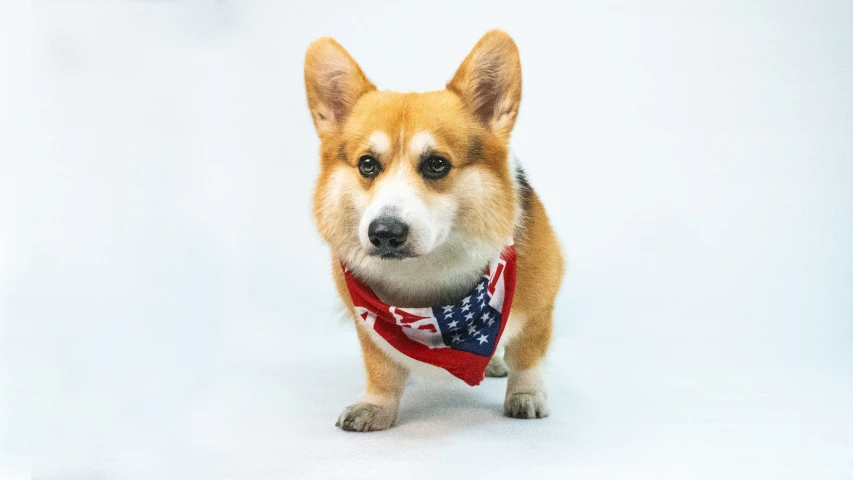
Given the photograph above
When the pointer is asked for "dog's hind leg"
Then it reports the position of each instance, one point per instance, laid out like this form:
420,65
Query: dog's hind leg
497,367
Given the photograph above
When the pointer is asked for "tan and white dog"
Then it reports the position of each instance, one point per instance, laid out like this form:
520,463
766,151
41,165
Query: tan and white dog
417,193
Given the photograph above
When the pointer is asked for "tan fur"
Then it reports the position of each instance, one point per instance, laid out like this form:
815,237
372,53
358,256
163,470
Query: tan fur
538,278
470,123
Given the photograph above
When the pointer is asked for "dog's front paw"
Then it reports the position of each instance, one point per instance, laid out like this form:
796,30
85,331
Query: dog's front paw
526,405
366,417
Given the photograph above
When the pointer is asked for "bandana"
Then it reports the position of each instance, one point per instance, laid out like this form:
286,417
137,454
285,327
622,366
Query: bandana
461,337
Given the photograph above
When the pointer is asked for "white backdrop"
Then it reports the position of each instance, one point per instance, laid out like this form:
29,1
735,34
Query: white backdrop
165,304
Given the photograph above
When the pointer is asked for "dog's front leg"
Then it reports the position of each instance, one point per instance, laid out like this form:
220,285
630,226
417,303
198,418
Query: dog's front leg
525,390
377,408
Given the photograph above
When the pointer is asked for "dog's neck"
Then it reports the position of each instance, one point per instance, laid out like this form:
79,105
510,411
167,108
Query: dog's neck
441,277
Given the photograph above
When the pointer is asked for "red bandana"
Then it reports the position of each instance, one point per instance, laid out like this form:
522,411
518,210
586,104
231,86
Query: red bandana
460,338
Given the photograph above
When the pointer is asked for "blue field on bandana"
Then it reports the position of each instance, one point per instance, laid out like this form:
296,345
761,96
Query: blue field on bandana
471,325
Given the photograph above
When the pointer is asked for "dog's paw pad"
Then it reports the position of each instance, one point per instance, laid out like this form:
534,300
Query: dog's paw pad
497,368
365,417
526,405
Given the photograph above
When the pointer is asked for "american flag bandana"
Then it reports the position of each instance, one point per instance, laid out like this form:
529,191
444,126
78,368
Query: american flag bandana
461,337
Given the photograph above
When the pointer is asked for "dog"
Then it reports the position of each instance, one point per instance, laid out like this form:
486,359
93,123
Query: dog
417,196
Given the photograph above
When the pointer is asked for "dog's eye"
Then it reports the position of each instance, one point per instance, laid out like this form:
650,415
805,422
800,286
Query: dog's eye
435,167
368,166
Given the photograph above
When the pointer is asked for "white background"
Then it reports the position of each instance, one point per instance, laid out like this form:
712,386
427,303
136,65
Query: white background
166,309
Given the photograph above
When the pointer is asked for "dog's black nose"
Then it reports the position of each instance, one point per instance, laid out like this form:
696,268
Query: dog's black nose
387,234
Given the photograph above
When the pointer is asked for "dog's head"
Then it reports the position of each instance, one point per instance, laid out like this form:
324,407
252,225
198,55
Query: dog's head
405,176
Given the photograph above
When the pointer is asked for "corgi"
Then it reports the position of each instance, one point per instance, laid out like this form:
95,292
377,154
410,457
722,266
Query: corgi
416,197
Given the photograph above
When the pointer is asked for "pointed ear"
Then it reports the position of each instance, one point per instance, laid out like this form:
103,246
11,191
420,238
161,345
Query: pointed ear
333,83
489,82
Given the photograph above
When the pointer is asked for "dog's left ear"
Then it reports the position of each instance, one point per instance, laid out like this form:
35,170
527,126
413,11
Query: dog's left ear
489,82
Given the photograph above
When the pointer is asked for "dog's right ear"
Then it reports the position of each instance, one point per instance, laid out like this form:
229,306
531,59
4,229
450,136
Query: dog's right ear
333,83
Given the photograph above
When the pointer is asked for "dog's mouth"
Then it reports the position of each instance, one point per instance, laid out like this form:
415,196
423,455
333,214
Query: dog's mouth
392,255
